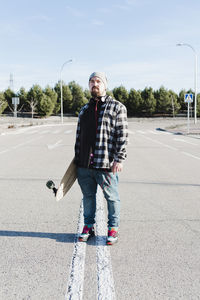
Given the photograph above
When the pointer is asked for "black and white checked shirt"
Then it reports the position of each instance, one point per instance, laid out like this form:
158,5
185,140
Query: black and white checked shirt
112,134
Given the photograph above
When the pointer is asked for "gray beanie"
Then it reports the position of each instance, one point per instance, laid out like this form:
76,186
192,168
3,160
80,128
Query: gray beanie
100,75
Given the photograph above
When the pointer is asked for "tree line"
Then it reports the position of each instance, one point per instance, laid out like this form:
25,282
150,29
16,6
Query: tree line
45,102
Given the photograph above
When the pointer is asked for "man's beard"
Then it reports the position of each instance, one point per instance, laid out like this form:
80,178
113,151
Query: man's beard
95,92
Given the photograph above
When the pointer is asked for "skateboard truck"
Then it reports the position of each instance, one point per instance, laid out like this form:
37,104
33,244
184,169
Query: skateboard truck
51,185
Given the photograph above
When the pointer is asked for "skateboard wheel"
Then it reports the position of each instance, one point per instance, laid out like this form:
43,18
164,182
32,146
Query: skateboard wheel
50,184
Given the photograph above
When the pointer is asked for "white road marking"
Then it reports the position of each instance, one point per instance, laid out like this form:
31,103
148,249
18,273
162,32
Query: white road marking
153,132
44,132
22,144
193,156
22,130
166,132
184,141
105,279
140,131
19,145
160,143
68,131
56,131
32,132
76,274
131,132
56,145
4,151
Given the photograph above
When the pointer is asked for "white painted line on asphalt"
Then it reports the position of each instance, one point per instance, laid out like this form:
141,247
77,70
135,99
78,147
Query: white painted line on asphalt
32,132
67,131
191,155
140,131
106,289
166,132
184,141
19,145
56,131
154,132
76,274
4,151
160,143
56,145
44,132
25,143
131,132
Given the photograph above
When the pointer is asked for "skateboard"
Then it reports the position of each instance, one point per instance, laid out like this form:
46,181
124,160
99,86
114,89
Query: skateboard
66,182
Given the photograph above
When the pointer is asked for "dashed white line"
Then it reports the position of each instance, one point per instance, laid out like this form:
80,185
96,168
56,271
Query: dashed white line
131,132
160,143
140,131
191,155
153,132
68,131
56,145
56,131
44,132
19,145
184,141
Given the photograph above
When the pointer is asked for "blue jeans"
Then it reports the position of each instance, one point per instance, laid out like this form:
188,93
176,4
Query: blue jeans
88,180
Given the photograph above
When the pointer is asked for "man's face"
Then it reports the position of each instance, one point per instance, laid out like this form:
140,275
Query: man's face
97,88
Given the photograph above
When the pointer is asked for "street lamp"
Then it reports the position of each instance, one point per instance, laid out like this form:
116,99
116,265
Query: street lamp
61,93
195,78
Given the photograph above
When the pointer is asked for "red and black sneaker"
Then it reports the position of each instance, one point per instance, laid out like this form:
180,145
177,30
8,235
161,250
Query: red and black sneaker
88,231
112,237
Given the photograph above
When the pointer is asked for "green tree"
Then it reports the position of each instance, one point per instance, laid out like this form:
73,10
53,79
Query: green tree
34,98
148,101
46,105
3,103
174,101
163,101
109,93
198,105
87,94
23,101
8,95
121,94
51,93
134,103
78,97
67,98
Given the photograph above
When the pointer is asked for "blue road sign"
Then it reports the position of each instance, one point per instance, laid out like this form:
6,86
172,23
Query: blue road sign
189,98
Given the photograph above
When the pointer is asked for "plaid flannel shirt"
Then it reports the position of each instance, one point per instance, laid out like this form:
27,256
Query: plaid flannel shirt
112,134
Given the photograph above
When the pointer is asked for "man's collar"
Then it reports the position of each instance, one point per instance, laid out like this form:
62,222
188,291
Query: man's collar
102,98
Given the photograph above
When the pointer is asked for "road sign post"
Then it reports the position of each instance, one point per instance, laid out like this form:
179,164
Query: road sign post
188,100
15,102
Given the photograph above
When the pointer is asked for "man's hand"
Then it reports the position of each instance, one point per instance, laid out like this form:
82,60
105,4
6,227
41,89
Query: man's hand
116,167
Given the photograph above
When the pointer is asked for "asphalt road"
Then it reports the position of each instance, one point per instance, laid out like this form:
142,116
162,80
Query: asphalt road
157,256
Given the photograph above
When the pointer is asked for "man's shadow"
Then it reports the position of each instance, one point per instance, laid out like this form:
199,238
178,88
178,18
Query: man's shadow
58,237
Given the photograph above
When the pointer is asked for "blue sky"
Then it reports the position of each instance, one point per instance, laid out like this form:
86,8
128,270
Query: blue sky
133,41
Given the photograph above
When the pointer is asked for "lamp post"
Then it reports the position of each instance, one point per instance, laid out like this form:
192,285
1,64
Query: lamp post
61,93
195,78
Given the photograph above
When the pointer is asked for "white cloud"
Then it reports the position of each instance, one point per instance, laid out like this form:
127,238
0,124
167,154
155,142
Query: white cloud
75,12
97,22
39,18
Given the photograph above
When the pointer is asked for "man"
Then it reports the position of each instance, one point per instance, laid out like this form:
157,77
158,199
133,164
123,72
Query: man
100,150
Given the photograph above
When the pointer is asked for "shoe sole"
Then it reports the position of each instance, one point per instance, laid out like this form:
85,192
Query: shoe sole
111,243
82,240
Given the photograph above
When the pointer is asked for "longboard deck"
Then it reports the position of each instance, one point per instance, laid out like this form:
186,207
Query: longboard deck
67,181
